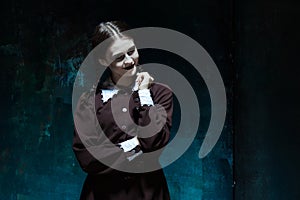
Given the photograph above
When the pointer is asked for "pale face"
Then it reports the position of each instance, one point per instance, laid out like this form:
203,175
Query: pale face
123,57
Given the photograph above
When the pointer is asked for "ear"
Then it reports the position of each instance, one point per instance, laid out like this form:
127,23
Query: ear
103,62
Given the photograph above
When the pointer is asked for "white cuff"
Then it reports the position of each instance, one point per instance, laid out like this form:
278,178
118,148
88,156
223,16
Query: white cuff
130,158
130,144
145,97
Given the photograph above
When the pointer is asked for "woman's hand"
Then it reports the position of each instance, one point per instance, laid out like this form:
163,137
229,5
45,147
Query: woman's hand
143,80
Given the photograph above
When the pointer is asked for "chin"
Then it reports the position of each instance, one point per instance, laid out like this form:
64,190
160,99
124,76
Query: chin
131,72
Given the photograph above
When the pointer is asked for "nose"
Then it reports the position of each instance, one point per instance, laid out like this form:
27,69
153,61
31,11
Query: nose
128,60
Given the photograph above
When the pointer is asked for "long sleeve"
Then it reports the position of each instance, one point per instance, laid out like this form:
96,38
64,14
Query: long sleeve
163,98
102,126
90,144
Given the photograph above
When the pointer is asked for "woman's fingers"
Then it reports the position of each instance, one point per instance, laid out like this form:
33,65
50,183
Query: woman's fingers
144,80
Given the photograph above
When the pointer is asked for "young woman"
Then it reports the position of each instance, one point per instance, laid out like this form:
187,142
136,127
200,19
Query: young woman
123,92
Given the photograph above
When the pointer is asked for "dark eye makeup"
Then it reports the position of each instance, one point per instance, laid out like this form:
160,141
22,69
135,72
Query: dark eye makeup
129,52
120,58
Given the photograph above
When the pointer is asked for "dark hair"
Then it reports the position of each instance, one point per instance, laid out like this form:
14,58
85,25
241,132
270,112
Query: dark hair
108,30
105,30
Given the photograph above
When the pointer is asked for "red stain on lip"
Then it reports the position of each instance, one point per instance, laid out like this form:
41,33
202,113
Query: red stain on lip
129,67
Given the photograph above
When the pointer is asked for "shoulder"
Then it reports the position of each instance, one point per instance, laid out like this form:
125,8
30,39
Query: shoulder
85,100
161,92
160,88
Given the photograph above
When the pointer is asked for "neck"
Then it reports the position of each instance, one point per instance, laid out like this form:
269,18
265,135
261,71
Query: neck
122,81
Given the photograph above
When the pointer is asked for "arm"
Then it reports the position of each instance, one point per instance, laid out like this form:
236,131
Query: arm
162,97
90,144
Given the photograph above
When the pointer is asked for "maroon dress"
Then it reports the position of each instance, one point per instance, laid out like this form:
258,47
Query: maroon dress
104,182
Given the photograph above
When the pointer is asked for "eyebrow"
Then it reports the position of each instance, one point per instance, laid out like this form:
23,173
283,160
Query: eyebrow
121,54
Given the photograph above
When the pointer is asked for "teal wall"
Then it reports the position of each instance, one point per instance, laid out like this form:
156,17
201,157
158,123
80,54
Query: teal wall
42,46
255,45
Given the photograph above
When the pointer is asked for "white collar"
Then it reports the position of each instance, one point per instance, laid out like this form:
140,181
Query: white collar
111,89
108,94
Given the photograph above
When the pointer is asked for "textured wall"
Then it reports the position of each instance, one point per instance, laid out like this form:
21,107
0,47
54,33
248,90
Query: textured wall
267,113
42,46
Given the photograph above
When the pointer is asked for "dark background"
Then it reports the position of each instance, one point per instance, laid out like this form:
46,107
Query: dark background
267,140
254,44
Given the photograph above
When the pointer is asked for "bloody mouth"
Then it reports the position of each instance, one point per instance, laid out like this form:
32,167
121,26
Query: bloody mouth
129,67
